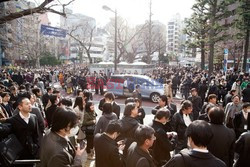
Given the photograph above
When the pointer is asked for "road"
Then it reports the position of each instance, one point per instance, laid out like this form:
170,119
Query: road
146,104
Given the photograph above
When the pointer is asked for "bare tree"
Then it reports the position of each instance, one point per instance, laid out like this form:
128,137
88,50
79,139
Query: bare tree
45,6
83,34
126,38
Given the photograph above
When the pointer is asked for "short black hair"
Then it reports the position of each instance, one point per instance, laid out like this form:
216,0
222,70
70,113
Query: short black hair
200,132
20,100
245,105
164,98
109,95
107,108
162,113
62,118
36,91
49,89
211,96
53,98
66,101
128,109
193,90
129,100
142,133
235,96
3,94
216,115
113,126
88,95
186,104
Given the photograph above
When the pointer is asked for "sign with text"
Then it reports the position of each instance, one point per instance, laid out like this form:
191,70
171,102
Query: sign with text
53,31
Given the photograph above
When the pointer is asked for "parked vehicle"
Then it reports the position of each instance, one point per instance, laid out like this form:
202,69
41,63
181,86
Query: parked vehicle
124,85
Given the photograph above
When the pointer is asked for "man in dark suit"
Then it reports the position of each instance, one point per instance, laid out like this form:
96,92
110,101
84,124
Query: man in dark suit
222,142
110,98
242,147
165,141
138,152
25,127
107,155
196,101
242,120
199,134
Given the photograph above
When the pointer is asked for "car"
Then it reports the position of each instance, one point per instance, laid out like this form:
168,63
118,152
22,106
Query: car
124,85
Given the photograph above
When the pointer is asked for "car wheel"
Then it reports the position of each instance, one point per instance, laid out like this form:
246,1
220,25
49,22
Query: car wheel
155,97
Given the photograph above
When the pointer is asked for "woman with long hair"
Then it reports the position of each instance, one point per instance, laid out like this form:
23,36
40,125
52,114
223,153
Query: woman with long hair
88,125
79,107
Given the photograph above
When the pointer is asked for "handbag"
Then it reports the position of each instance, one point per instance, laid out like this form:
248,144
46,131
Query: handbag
10,149
88,129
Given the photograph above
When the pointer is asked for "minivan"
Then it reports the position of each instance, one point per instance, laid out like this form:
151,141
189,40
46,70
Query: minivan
150,88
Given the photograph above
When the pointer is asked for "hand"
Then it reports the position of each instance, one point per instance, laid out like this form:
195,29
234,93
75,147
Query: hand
121,142
79,151
121,147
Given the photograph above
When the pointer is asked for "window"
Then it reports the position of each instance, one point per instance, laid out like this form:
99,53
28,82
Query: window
117,79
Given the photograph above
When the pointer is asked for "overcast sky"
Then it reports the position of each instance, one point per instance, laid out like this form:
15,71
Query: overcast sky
134,11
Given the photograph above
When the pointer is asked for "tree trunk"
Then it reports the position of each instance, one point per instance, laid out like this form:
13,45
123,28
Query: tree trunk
89,57
211,39
202,55
38,62
246,51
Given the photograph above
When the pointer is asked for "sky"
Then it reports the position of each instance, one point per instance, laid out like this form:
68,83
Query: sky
134,11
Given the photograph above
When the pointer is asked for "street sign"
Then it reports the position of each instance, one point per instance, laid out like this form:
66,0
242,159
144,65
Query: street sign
225,59
53,31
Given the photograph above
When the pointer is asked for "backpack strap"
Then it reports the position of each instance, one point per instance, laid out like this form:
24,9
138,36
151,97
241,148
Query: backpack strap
186,159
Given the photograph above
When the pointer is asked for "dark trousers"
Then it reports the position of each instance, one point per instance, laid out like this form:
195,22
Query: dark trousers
90,143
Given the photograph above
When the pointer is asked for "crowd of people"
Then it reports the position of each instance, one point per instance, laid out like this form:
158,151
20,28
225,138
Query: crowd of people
210,129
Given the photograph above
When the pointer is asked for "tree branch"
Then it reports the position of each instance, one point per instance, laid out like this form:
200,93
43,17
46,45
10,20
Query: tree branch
40,9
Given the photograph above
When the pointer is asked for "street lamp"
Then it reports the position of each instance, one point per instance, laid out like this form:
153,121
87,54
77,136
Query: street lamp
115,12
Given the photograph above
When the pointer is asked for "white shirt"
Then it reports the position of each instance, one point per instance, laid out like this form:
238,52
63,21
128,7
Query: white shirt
245,114
187,119
26,119
200,150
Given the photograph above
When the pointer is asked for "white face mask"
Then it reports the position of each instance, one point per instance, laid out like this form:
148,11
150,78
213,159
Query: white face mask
73,131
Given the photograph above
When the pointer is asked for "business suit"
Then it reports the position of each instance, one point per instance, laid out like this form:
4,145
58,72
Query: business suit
162,145
242,147
179,126
56,151
110,157
138,158
241,124
195,159
221,145
27,134
115,107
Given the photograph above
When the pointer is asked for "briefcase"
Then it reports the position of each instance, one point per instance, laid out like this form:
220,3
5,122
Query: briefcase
10,149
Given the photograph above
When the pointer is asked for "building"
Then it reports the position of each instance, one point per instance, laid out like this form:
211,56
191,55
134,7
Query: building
157,40
84,29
